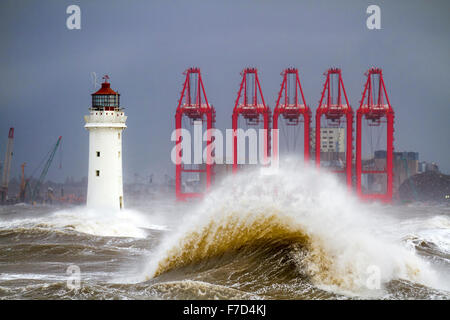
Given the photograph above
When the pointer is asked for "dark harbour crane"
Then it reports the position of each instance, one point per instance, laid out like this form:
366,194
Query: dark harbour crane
23,183
7,167
36,189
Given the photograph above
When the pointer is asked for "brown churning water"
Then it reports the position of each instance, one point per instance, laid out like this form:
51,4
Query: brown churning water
291,235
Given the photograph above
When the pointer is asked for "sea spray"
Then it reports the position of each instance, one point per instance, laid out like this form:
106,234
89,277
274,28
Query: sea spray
299,206
105,223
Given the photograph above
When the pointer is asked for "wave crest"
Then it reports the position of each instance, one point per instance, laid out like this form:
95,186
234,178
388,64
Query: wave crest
301,209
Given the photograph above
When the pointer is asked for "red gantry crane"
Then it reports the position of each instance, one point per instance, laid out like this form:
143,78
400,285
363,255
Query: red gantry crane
376,109
194,106
336,111
292,111
253,112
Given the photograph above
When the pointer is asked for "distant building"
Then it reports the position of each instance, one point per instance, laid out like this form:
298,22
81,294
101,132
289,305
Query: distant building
332,143
427,167
406,164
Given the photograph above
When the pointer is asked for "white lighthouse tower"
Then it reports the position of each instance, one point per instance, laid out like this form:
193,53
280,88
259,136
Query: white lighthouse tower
105,123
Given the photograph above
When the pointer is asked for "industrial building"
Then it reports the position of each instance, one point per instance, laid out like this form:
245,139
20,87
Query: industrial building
406,165
332,143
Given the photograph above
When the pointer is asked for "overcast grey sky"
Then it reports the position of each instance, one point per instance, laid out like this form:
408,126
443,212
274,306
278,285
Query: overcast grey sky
145,46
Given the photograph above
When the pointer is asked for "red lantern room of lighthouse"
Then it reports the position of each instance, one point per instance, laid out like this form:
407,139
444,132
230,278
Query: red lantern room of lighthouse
106,99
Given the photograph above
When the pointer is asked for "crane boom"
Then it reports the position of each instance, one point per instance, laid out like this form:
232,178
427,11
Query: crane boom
37,187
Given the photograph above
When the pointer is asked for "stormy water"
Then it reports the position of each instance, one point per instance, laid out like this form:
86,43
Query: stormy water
290,234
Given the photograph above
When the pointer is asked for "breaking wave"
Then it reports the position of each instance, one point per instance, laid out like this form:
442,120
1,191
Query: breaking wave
285,227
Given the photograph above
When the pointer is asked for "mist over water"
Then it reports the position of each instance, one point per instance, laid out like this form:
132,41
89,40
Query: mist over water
291,234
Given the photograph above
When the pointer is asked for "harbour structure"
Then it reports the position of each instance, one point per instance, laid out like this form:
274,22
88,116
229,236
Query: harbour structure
376,110
194,108
330,143
336,109
251,107
292,108
105,123
7,166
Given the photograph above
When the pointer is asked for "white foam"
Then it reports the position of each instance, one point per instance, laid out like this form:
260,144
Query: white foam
437,231
348,230
120,223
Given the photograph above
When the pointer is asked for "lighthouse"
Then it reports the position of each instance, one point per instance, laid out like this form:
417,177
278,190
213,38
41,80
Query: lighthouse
105,123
